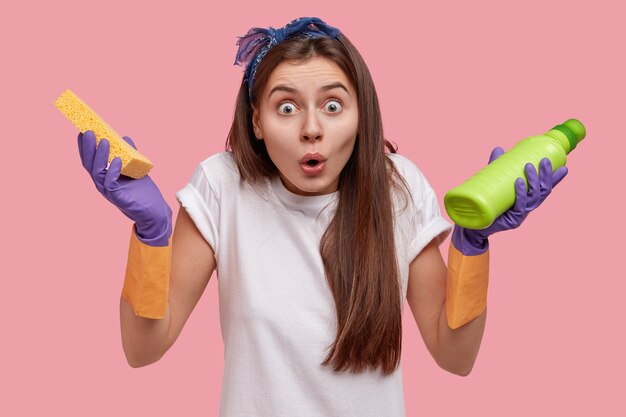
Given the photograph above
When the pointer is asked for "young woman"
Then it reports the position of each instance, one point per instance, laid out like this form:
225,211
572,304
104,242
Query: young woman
318,236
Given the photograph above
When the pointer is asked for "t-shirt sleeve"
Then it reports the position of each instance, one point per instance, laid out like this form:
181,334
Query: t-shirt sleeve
200,200
425,221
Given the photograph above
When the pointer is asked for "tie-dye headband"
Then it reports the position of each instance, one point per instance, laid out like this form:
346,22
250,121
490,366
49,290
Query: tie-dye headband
258,41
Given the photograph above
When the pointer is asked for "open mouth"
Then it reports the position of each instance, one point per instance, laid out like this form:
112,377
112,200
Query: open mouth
313,163
312,167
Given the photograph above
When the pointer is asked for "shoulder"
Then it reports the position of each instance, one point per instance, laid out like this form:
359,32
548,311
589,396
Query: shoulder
215,173
399,160
222,163
413,176
218,169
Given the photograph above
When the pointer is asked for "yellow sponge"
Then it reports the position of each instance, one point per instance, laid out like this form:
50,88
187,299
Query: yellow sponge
134,164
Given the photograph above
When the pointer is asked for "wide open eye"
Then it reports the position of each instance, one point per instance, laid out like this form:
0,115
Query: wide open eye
333,106
286,108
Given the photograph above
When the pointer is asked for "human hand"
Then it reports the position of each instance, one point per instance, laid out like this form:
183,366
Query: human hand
139,199
474,242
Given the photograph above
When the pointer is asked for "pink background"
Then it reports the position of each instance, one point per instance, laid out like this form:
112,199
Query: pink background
453,81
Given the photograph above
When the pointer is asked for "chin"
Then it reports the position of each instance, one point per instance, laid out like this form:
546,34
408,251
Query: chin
306,185
311,188
319,190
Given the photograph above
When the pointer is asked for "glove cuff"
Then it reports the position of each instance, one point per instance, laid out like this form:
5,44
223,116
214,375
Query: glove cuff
466,286
161,230
146,284
469,242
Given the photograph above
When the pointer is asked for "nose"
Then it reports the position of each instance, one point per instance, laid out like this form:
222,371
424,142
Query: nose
312,129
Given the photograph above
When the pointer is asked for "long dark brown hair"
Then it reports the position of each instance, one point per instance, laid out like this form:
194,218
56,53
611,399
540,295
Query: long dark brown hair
358,247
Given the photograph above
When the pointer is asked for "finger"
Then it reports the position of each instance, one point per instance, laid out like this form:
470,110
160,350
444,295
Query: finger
545,179
534,187
545,176
89,150
113,174
521,198
513,217
495,154
80,147
100,163
558,176
130,141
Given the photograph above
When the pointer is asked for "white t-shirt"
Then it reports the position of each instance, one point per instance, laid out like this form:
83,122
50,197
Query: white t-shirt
277,312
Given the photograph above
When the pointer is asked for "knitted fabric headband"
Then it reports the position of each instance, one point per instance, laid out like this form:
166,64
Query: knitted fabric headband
254,45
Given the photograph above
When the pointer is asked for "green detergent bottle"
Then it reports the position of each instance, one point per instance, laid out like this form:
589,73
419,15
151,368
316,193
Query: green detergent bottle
477,202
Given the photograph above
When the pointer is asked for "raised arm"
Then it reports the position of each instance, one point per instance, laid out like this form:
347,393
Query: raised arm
146,340
454,350
165,275
449,303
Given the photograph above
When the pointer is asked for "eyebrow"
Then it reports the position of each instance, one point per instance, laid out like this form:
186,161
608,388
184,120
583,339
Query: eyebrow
324,88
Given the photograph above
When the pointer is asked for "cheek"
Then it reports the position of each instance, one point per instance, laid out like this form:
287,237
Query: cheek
347,131
348,147
276,130
277,142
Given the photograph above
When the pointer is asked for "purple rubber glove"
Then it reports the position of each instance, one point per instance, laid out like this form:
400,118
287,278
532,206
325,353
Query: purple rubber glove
472,242
139,199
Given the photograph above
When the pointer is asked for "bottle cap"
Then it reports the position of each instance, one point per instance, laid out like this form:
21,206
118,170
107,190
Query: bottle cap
573,130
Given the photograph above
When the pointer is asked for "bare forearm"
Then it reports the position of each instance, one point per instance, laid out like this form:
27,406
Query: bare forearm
458,348
143,339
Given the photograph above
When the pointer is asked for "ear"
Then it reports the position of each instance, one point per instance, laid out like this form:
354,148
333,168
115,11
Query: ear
256,123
